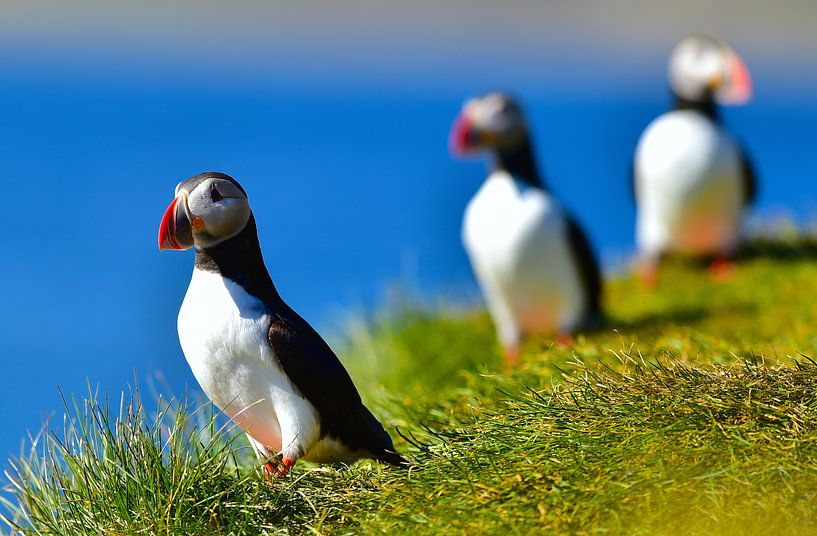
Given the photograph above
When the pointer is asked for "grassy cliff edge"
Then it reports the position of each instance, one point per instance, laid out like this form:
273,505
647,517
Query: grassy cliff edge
693,411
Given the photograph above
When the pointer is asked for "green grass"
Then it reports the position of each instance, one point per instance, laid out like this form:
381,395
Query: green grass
694,411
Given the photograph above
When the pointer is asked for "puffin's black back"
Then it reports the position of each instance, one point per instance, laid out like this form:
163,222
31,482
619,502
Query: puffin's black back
315,370
519,161
589,272
708,108
306,359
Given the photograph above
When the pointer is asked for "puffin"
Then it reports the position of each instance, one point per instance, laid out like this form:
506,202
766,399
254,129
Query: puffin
693,181
256,359
532,260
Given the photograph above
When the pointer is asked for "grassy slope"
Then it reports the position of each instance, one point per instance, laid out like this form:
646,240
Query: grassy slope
695,410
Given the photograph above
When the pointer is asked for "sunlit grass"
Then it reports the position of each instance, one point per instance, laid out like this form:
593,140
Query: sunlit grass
109,468
694,411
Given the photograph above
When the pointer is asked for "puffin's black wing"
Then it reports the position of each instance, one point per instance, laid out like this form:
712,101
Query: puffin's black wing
318,374
588,270
747,170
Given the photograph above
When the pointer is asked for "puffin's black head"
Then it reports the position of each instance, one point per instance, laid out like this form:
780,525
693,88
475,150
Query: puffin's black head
208,209
703,68
493,121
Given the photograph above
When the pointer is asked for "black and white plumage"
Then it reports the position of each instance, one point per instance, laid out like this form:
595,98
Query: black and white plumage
255,357
692,179
532,260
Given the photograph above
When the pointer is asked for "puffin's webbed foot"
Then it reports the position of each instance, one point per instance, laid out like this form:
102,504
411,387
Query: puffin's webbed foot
277,466
510,356
722,268
564,339
648,274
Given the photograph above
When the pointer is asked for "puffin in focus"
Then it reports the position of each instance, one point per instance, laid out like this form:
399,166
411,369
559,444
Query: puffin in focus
532,260
256,358
692,180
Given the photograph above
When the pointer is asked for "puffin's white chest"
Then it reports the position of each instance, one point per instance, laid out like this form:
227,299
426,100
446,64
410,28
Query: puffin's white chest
688,185
516,238
223,334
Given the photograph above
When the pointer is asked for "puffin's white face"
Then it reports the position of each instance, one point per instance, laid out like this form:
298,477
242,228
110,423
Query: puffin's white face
702,67
208,209
491,121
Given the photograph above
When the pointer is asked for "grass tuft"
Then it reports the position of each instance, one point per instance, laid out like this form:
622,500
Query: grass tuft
120,471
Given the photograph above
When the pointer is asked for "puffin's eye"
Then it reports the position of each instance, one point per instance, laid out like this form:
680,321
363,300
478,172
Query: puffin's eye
215,195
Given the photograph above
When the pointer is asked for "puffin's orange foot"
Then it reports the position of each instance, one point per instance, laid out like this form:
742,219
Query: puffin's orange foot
277,467
270,469
510,356
564,339
648,274
285,466
722,269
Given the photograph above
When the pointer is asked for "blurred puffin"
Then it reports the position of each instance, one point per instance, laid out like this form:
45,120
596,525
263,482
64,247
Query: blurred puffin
532,260
256,358
692,180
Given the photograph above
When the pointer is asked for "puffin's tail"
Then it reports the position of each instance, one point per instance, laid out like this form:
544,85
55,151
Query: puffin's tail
377,441
392,457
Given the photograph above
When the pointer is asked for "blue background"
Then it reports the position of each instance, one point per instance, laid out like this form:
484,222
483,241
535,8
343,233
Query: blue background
348,173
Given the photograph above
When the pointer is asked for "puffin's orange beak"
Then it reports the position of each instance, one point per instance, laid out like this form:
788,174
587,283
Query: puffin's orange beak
175,231
460,139
738,87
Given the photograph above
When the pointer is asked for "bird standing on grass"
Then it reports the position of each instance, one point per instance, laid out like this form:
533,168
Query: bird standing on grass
256,358
532,260
692,180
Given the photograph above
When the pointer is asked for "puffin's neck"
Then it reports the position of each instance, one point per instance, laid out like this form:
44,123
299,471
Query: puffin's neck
239,259
706,106
520,163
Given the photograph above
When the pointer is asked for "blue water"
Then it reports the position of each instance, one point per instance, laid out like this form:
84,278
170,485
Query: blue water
353,191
